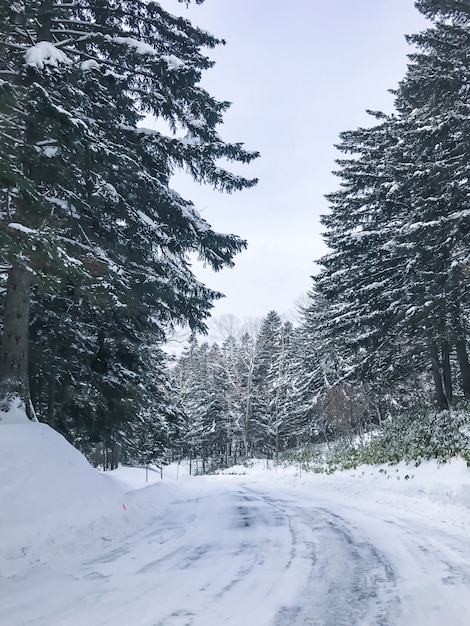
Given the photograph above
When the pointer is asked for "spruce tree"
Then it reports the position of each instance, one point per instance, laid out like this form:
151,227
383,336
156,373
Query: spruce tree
263,404
85,189
396,281
199,379
360,289
433,105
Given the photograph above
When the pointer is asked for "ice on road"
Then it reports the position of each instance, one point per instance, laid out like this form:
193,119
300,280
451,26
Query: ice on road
229,549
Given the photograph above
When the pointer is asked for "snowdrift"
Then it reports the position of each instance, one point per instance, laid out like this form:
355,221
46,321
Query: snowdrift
49,493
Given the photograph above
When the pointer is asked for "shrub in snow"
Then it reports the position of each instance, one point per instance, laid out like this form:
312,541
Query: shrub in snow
414,436
419,435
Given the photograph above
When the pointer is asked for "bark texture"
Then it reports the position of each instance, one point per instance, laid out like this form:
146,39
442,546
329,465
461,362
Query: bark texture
14,347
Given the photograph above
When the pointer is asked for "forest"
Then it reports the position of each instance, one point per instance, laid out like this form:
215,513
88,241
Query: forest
96,253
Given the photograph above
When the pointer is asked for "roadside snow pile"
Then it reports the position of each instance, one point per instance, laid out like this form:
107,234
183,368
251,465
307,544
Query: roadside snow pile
53,503
436,490
49,493
15,415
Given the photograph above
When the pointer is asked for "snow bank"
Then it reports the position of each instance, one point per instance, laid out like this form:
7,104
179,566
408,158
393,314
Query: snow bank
48,493
54,503
437,491
16,413
41,472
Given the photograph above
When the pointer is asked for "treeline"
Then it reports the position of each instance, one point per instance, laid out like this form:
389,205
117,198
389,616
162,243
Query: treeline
386,327
257,393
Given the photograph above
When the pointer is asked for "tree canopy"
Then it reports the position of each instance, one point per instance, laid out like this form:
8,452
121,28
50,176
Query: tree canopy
88,214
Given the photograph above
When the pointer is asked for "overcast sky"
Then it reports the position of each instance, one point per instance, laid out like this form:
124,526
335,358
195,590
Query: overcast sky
298,72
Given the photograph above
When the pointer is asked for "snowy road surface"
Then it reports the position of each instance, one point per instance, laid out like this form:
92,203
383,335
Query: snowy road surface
245,552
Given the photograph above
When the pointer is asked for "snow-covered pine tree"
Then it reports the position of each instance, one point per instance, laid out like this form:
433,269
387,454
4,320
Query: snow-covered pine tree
246,367
237,361
230,379
84,188
397,280
298,419
361,282
320,366
157,424
97,376
458,10
282,391
190,376
268,350
434,111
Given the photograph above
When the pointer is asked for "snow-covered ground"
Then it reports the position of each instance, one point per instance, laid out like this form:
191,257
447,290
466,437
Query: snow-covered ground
251,547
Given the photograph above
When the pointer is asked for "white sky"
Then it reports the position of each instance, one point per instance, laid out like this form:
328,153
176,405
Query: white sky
297,73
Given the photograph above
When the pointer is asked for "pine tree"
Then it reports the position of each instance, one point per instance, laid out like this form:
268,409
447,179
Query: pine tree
97,376
268,350
459,10
151,438
237,365
282,387
396,281
199,379
432,101
84,188
361,283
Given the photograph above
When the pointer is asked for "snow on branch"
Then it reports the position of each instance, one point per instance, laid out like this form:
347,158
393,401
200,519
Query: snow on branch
45,53
172,61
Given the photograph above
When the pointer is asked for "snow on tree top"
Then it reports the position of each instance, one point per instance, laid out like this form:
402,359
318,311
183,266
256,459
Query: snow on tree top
194,217
45,53
147,220
173,62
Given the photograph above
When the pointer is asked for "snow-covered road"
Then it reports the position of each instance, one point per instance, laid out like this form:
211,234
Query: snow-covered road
248,552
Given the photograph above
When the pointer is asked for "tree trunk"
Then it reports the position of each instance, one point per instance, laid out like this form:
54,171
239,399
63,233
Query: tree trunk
441,398
460,342
447,371
464,366
44,20
14,382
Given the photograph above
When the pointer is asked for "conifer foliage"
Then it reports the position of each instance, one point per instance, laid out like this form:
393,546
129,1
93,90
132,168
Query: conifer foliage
241,399
396,284
87,210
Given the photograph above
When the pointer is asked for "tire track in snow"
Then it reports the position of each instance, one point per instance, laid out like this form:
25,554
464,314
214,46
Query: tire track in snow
350,581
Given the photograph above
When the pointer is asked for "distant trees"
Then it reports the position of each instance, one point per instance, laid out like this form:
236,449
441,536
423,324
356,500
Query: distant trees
90,231
201,390
240,399
386,323
265,391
